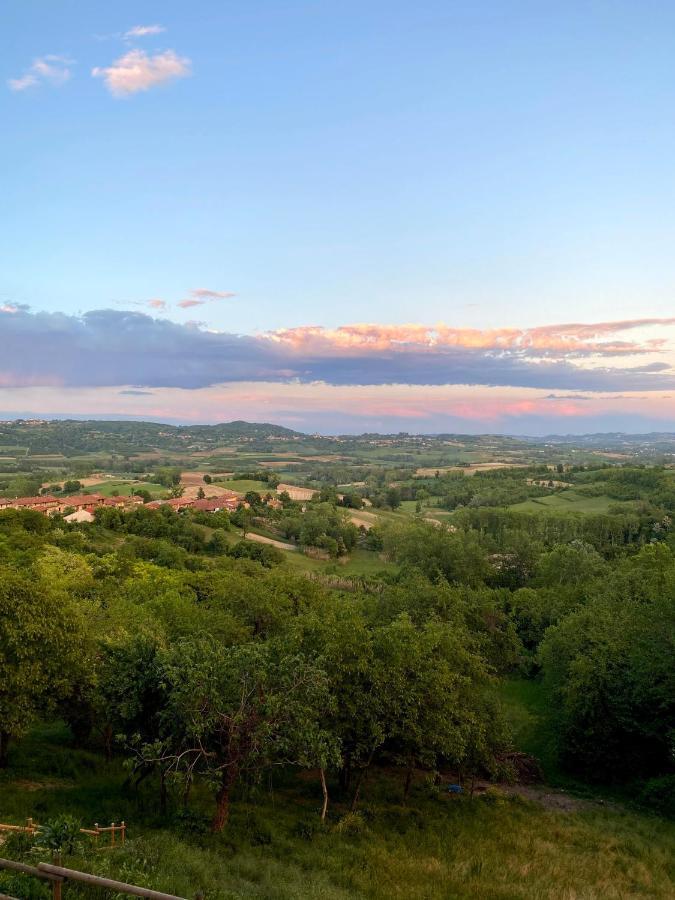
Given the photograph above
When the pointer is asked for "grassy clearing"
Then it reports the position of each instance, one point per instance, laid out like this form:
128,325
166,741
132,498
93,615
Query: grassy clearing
242,485
570,501
360,562
409,507
125,488
494,848
525,705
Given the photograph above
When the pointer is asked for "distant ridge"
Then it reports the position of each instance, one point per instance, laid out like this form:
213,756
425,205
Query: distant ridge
604,436
74,436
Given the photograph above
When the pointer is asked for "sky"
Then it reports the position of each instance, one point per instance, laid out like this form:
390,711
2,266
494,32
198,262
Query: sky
340,216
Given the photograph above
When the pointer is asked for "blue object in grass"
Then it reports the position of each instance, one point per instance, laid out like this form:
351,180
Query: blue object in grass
455,789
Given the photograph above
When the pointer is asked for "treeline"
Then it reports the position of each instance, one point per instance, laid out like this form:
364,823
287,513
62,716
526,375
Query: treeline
594,619
200,664
220,674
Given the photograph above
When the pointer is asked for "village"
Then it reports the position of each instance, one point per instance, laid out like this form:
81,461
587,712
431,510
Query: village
82,507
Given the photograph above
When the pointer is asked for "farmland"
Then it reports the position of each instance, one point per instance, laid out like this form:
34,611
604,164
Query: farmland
399,628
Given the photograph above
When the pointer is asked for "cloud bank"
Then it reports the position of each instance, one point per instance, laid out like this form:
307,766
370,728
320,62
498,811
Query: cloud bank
115,348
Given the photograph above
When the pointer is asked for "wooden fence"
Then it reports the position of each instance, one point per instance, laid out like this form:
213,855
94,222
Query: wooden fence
117,832
58,875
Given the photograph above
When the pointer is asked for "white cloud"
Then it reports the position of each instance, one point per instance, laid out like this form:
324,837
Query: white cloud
143,31
20,84
136,71
50,69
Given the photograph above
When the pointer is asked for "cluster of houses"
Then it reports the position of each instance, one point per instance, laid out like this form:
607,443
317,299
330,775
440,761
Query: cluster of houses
81,508
228,502
51,506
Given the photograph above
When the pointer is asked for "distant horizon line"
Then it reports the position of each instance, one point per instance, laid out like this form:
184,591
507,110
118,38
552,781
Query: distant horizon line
120,419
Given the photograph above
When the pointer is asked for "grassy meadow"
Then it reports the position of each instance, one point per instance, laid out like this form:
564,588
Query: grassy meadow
436,846
566,501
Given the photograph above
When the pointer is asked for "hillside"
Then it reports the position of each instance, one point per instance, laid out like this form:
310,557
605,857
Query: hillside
73,437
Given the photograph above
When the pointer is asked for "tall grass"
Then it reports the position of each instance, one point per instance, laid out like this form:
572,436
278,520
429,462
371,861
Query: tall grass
436,847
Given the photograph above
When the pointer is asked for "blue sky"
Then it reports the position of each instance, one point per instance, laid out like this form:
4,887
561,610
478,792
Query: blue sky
486,165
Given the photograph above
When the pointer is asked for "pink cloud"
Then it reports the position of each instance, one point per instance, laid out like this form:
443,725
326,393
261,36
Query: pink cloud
206,294
188,304
137,71
157,303
200,296
363,407
550,340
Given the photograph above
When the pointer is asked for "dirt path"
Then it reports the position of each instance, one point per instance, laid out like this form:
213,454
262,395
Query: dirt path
261,539
552,798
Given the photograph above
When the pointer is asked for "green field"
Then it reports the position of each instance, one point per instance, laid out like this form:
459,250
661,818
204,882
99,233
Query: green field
125,488
570,501
241,486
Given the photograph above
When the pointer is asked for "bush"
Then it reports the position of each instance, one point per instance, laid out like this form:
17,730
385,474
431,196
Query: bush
61,835
191,822
659,794
351,823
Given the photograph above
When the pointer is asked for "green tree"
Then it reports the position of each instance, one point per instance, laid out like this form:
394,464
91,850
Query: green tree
239,710
609,670
393,498
43,651
168,476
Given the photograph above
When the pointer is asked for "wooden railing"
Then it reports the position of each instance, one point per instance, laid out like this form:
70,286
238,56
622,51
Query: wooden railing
117,832
57,875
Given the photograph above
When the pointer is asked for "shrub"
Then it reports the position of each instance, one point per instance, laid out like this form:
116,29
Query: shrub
659,793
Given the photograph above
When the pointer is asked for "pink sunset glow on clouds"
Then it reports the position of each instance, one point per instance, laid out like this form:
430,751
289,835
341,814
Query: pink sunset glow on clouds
549,340
202,296
353,408
356,377
188,304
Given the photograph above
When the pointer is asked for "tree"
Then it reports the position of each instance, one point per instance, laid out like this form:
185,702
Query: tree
393,496
237,710
456,555
253,499
572,565
609,671
207,479
168,476
201,494
430,687
43,651
243,519
217,543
